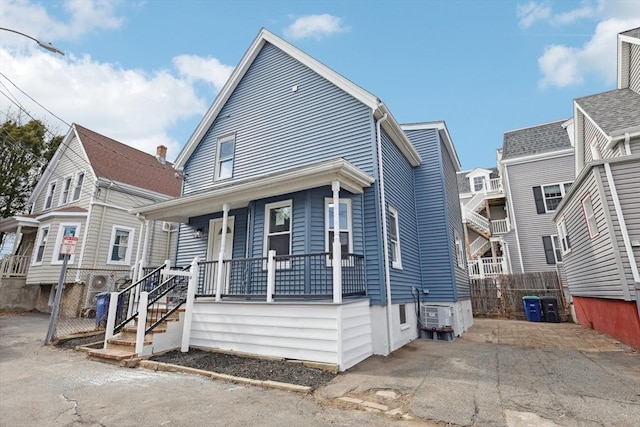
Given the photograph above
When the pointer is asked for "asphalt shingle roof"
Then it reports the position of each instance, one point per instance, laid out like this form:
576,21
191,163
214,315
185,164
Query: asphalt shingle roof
613,111
118,162
463,181
539,139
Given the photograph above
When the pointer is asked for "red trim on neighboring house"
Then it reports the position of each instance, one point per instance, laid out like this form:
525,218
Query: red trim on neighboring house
613,317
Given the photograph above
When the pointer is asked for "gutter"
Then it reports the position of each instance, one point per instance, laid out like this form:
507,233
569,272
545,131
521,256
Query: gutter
385,240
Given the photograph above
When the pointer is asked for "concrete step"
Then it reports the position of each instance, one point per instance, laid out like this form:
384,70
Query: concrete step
110,355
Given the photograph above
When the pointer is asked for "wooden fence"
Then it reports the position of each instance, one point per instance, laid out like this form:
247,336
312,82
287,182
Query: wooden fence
502,296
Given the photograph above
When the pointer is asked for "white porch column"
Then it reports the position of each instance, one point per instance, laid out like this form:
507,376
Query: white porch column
271,275
223,244
337,248
188,310
111,317
141,322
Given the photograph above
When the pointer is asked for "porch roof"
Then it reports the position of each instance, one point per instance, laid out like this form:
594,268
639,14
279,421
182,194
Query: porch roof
239,193
11,224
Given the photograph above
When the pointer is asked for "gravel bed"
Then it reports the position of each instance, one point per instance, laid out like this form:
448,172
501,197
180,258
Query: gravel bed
247,367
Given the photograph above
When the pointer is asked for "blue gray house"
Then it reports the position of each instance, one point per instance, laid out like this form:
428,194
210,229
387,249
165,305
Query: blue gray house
293,168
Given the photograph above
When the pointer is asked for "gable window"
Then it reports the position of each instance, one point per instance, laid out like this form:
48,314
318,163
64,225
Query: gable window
65,230
66,188
548,197
394,238
563,236
41,245
552,250
277,233
78,188
346,234
120,245
478,183
590,216
224,160
459,249
49,200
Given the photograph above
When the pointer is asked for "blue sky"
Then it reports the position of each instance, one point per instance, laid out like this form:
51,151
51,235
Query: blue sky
144,72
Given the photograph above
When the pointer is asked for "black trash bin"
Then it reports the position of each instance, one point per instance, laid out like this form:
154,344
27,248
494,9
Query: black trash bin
550,309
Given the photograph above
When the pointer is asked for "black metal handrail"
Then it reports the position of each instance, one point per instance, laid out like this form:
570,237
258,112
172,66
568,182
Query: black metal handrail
173,293
129,297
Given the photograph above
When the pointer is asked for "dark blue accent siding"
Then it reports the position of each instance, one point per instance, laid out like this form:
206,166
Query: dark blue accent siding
434,233
399,194
277,128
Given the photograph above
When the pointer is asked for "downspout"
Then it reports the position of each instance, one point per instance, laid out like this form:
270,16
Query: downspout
627,146
513,220
385,242
100,230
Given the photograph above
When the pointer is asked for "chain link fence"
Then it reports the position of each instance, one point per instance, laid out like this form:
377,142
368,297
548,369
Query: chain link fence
79,314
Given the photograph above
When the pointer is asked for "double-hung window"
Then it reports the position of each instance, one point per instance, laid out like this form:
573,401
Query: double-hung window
41,246
552,249
65,230
460,252
563,236
277,235
225,155
78,188
478,183
548,197
66,189
121,244
345,230
590,216
50,191
394,238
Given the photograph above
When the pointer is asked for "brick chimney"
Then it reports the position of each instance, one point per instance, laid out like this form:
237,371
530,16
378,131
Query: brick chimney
161,153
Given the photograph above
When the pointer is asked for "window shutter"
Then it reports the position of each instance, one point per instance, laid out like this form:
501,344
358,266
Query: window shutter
548,249
537,195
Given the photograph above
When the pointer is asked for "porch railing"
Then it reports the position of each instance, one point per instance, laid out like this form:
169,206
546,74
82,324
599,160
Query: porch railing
499,226
166,299
14,266
486,267
296,276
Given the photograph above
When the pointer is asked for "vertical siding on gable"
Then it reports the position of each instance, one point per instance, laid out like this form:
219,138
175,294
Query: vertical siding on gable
399,193
433,230
277,128
634,68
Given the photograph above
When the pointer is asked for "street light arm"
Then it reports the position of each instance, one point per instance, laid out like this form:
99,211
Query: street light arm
48,46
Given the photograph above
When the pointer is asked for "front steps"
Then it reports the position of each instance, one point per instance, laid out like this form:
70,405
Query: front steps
120,349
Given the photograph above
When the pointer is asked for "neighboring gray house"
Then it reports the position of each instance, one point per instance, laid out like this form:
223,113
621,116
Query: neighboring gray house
537,170
599,219
292,168
85,192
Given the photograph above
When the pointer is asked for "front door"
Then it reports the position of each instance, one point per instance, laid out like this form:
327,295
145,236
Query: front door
213,251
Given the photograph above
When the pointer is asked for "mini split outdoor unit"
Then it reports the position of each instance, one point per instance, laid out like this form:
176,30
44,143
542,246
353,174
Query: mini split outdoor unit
435,317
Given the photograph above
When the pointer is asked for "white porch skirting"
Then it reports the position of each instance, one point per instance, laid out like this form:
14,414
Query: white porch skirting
339,334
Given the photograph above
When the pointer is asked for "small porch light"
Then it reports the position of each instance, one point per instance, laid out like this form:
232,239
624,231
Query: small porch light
197,234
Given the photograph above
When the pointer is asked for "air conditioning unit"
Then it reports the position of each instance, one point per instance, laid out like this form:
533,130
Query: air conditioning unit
97,283
435,317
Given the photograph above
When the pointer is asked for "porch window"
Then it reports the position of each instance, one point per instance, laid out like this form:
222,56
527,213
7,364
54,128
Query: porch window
478,183
65,230
224,160
78,188
41,246
590,216
49,200
66,189
346,234
394,237
121,244
563,236
278,228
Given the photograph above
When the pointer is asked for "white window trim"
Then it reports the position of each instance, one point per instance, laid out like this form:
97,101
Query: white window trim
50,193
328,246
127,258
589,218
562,236
75,186
472,179
460,251
267,218
562,193
219,160
66,179
554,238
403,326
56,248
393,214
38,242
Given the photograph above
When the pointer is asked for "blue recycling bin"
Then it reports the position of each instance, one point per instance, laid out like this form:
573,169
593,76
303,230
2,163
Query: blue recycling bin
102,308
532,308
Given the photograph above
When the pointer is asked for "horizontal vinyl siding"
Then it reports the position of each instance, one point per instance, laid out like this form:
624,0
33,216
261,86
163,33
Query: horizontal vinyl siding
356,333
434,234
591,266
531,225
277,128
374,261
399,193
454,217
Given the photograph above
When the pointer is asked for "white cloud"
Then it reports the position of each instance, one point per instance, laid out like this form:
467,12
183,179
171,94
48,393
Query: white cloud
206,69
316,26
531,12
563,66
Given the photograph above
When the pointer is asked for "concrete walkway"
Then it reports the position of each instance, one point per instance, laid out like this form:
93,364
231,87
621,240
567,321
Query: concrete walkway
503,373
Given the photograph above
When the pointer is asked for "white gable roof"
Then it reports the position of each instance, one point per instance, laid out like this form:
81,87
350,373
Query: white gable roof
264,36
